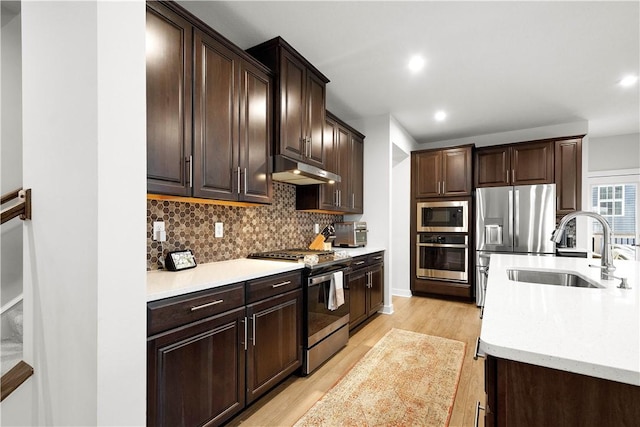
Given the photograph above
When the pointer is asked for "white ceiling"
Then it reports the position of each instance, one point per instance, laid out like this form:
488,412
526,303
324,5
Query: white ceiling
492,66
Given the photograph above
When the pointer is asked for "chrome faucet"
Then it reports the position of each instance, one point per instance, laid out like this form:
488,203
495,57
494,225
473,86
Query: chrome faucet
606,263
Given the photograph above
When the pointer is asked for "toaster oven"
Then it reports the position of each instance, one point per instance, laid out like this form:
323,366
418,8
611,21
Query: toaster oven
351,234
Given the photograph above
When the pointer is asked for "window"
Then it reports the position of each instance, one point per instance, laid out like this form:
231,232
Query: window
609,200
615,198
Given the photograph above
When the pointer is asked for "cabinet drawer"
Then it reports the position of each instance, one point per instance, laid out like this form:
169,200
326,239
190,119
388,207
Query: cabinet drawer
374,258
172,312
273,285
359,262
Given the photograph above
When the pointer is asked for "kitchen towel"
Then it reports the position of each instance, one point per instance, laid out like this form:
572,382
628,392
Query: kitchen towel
336,291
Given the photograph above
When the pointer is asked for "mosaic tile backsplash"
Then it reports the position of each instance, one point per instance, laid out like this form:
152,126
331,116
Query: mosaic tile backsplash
246,229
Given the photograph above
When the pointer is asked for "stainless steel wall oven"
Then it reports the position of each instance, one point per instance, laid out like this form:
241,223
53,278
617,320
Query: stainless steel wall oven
442,256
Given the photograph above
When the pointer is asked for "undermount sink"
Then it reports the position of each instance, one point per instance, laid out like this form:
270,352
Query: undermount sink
558,278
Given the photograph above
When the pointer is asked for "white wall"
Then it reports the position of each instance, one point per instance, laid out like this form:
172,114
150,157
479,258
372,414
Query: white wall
11,155
377,191
402,144
387,174
614,152
84,151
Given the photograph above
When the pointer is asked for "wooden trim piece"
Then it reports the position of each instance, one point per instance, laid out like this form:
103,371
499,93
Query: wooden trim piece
16,376
10,196
22,208
182,199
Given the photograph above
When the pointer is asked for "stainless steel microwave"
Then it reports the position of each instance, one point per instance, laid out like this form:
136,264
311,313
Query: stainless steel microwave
443,216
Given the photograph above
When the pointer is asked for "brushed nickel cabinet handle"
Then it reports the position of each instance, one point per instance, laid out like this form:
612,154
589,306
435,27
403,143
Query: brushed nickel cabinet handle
476,353
238,172
245,181
190,161
281,284
358,263
253,330
478,409
209,304
245,321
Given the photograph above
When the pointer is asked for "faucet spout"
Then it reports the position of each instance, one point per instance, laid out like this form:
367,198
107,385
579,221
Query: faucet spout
606,263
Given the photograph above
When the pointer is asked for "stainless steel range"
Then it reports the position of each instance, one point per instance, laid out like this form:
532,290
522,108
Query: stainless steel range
325,330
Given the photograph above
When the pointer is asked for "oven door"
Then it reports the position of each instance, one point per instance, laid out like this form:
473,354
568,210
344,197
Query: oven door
450,216
442,261
321,321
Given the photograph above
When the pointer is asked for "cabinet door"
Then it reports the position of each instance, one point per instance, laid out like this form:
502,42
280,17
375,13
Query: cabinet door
215,120
345,160
357,297
255,134
196,374
428,174
375,299
456,172
292,107
493,167
315,120
275,341
532,163
568,175
356,203
168,63
332,154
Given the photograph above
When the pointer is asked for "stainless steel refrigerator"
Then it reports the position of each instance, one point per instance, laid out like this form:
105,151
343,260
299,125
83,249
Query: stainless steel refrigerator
518,219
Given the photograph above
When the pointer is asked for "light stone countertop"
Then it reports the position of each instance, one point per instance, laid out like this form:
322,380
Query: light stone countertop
165,284
354,252
593,332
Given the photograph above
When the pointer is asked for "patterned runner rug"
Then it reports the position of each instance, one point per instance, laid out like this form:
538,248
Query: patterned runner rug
406,379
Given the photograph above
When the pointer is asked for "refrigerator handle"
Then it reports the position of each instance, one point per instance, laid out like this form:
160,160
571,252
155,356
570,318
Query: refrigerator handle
510,214
516,220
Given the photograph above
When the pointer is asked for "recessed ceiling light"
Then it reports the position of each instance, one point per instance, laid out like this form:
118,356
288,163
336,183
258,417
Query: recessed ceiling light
416,63
440,116
629,80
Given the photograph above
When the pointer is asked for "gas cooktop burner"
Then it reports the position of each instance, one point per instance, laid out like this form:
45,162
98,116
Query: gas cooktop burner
294,255
312,259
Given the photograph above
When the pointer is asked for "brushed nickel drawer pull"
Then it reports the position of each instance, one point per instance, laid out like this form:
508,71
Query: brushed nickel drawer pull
377,257
359,263
209,304
277,285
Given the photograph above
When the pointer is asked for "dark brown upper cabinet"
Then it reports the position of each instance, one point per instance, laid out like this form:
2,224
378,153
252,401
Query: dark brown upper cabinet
300,94
442,173
169,114
344,150
524,163
568,175
223,148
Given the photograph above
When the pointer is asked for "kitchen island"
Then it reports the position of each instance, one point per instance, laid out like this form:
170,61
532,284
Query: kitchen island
557,354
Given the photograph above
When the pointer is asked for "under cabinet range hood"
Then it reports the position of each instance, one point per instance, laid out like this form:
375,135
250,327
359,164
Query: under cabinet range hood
298,173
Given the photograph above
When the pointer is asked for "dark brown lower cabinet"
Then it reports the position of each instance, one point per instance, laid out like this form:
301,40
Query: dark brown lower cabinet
524,395
196,373
366,288
211,353
274,349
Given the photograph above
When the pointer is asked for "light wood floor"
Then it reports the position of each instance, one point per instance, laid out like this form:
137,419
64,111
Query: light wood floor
285,404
